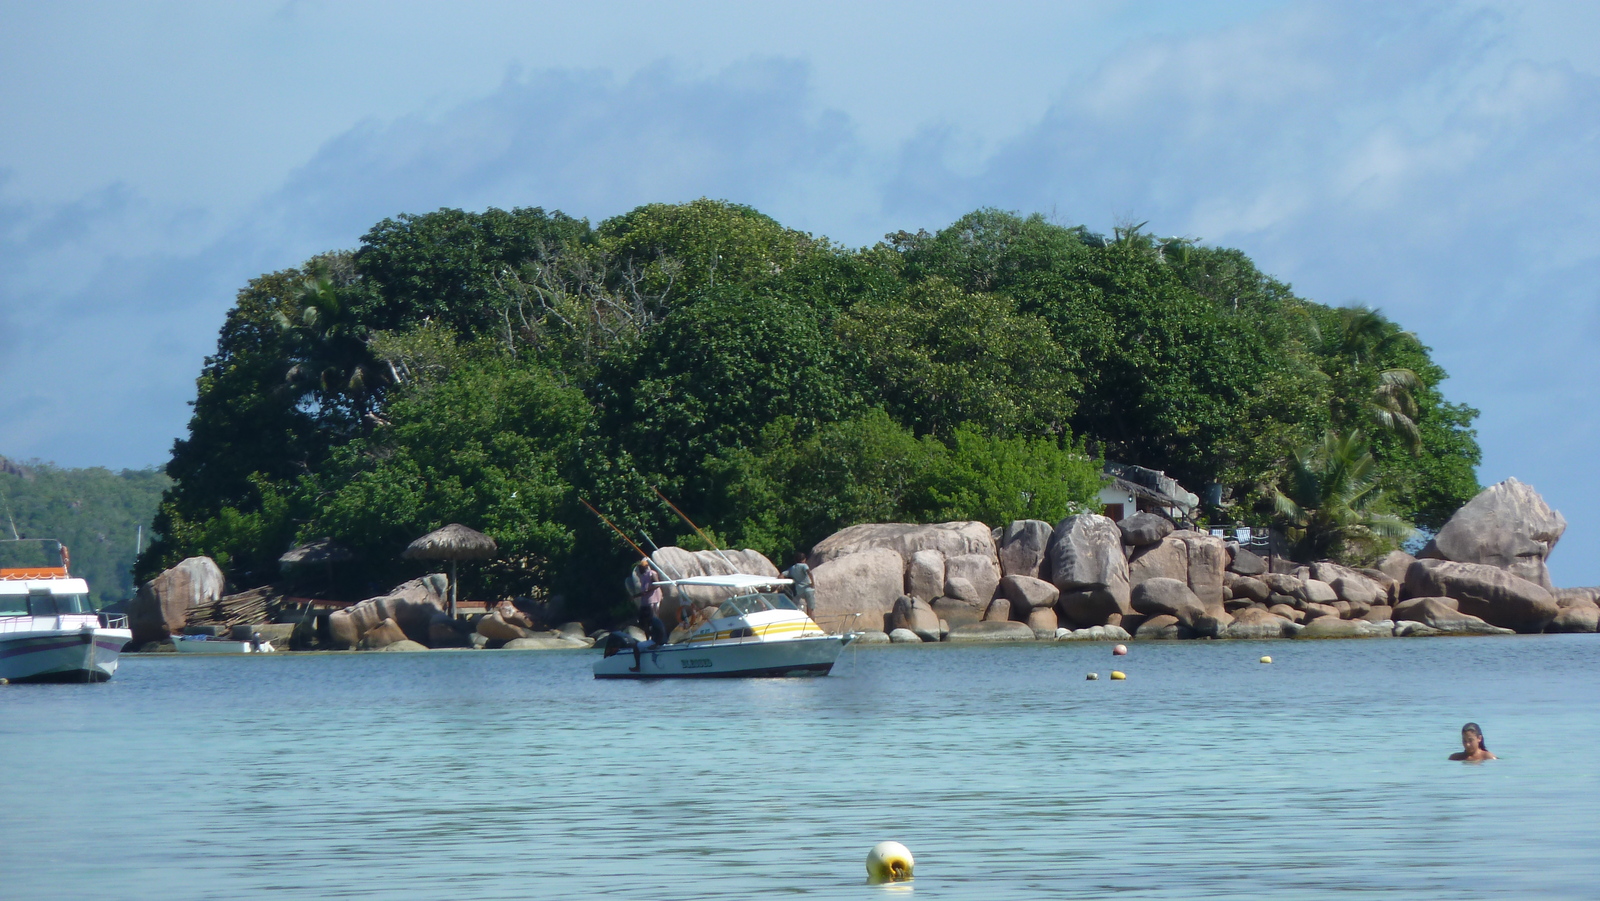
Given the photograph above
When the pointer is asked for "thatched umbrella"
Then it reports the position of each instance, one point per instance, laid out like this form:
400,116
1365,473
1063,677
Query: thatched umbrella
453,542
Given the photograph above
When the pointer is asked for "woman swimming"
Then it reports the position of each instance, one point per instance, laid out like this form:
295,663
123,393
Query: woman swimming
1472,747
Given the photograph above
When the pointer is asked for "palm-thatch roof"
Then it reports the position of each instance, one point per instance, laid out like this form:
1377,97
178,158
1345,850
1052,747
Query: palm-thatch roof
453,542
323,550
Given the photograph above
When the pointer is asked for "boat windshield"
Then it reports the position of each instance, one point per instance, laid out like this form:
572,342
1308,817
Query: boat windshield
43,604
754,603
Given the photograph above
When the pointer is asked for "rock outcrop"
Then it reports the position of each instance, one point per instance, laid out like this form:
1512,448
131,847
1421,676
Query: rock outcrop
161,608
1026,593
1507,526
914,615
1022,547
1087,565
992,631
952,539
1142,529
412,605
865,583
1444,615
1494,595
925,575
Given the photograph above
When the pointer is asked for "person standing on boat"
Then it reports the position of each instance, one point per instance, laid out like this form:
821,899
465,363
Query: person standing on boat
803,592
649,610
649,592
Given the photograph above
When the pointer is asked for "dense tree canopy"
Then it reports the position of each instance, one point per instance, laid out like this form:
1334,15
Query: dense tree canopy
496,368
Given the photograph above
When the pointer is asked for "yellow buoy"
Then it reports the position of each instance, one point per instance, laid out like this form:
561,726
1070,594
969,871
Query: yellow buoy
1092,677
1266,660
889,862
1118,675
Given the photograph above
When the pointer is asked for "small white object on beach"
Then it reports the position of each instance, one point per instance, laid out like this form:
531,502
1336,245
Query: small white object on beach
889,862
1092,677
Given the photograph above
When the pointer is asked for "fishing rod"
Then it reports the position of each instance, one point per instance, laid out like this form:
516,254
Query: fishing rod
703,536
621,534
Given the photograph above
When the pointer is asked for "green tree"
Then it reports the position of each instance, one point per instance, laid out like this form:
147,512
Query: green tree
1330,501
491,445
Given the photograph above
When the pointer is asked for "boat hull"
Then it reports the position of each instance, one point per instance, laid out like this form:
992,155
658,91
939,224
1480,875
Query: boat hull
221,647
751,659
88,655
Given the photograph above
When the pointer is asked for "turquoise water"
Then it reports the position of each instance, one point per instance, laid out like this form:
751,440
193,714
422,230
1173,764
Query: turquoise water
488,775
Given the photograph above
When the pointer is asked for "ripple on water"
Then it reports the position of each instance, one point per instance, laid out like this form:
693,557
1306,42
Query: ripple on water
503,775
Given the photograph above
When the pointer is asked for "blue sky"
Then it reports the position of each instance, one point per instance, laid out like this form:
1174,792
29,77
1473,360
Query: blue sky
1439,161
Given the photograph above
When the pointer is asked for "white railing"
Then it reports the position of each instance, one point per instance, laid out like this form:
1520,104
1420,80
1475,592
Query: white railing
67,622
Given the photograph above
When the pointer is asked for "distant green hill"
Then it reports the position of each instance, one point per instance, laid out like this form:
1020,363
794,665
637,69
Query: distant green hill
95,512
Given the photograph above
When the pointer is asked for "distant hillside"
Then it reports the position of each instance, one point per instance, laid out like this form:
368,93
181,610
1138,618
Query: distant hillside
95,512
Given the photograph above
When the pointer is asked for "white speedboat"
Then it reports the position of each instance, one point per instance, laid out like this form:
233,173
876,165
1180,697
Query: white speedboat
49,631
757,632
208,644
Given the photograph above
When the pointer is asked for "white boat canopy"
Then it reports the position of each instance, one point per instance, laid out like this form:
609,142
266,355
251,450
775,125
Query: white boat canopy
736,582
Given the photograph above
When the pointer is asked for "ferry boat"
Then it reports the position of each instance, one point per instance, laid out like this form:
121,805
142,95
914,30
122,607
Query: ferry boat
757,632
49,630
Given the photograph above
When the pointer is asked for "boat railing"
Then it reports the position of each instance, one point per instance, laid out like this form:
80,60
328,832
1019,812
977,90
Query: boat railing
27,622
113,621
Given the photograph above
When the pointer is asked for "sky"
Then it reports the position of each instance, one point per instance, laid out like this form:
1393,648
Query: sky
1438,161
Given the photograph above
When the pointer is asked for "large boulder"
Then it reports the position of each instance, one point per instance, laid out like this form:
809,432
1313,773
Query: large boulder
1208,622
386,633
494,628
1207,559
957,587
992,631
1086,551
1349,584
162,606
1319,592
1162,627
1333,627
1577,597
677,563
1576,618
1166,559
915,615
1284,584
857,589
1244,561
925,575
1043,622
1492,594
412,605
1026,593
999,611
1092,606
949,538
1443,615
1249,588
1022,547
1507,526
1395,564
1165,597
958,612
1142,529
981,570
1257,623
1086,563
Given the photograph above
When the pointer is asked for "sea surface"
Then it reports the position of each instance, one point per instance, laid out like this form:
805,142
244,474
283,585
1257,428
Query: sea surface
515,775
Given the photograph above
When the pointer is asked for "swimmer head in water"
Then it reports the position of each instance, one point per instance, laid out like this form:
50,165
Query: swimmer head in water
1472,746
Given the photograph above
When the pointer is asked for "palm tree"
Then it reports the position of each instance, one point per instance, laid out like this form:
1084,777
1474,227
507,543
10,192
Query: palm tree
1365,336
1326,498
329,346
